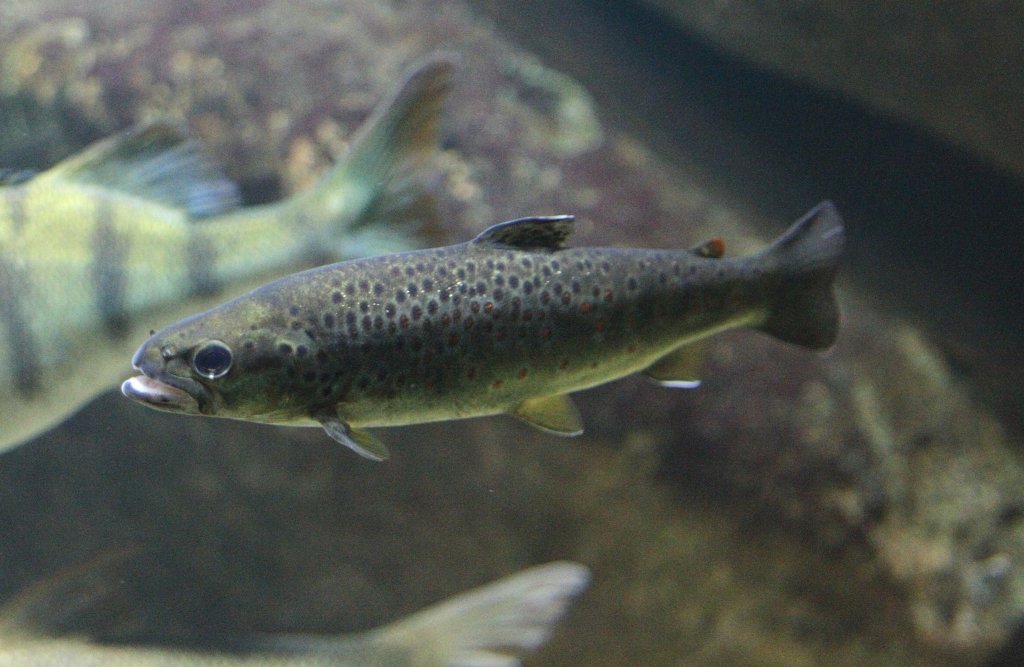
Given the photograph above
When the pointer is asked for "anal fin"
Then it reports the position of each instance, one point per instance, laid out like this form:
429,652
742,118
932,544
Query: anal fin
679,368
555,414
361,442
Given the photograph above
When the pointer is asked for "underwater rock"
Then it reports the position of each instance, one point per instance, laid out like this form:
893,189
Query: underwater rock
952,67
853,508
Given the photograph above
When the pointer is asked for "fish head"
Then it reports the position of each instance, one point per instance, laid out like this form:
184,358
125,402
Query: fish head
238,361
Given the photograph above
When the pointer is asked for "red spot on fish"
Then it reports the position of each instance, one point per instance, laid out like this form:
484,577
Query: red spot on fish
566,297
403,321
453,339
522,373
497,384
563,364
599,325
475,307
488,307
608,295
631,348
585,307
545,333
499,334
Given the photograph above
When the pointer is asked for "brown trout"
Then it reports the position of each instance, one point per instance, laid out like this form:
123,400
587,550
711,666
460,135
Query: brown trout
489,626
137,231
510,322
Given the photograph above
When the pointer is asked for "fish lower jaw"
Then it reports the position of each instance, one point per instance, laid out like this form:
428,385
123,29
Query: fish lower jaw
159,395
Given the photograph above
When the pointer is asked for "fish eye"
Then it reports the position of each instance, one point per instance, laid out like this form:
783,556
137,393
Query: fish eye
212,360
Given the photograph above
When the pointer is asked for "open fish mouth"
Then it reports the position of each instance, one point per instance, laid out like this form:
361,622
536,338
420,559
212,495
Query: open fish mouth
160,395
164,391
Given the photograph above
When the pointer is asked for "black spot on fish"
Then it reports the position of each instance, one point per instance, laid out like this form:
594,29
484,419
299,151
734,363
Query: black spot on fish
432,306
293,310
284,348
350,289
412,288
513,282
400,296
364,307
364,286
428,284
527,288
378,289
390,309
329,320
336,297
631,283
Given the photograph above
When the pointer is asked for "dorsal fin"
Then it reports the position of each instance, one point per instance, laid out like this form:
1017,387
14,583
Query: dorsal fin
154,162
535,233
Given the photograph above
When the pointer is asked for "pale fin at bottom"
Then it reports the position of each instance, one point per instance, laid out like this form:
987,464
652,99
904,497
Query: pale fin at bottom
361,442
489,626
555,414
679,368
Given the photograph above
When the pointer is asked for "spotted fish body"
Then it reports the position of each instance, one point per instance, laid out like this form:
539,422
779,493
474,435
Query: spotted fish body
140,230
510,322
488,626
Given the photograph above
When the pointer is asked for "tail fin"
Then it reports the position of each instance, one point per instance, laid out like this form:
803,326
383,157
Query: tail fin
376,179
802,309
488,626
485,627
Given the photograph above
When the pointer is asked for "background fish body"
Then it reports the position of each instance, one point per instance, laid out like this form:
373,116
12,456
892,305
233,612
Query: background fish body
508,323
139,230
487,626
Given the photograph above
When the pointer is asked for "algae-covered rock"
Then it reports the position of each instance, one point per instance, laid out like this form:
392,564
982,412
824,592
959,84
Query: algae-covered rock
856,507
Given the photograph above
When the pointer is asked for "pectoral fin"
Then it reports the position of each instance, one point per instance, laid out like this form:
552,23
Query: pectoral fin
679,368
361,442
556,414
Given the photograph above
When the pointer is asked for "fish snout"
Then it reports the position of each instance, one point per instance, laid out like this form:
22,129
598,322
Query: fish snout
162,389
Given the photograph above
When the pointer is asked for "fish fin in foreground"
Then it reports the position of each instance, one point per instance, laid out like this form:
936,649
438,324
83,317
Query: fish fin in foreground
680,367
554,414
154,162
485,627
361,442
378,176
802,307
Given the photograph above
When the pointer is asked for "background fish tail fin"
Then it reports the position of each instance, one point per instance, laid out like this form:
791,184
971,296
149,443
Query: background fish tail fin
802,309
488,626
56,604
380,180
